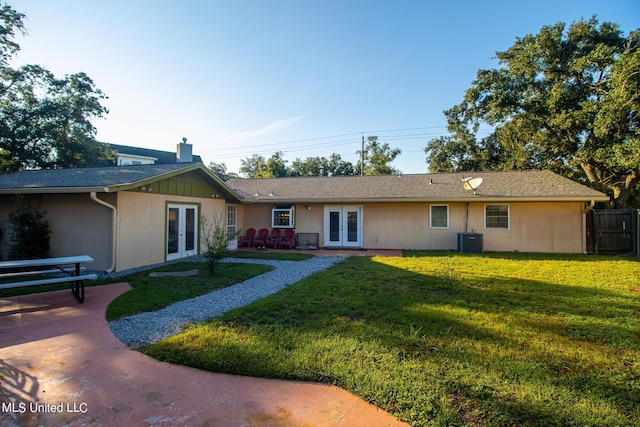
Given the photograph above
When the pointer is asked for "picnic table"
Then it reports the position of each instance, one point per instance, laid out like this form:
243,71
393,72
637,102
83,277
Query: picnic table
70,267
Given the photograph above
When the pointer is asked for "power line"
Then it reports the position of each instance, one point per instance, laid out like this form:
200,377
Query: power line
353,138
284,142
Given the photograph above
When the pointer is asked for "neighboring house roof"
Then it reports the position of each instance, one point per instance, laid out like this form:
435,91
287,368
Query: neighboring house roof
163,157
102,179
441,187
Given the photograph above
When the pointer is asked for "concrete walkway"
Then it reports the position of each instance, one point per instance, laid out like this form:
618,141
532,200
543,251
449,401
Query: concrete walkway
61,365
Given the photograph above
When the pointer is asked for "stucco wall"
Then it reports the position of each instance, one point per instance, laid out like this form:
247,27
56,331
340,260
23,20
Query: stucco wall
534,227
79,226
142,225
308,218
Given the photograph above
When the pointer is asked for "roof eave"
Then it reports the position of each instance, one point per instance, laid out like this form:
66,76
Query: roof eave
53,190
478,198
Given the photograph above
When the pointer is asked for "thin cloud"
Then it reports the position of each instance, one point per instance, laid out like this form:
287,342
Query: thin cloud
271,128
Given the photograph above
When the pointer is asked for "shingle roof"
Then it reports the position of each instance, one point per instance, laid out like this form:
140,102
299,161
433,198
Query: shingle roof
87,179
164,157
516,185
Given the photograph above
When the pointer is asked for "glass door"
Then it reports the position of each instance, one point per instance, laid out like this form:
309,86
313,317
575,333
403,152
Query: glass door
343,226
173,223
182,231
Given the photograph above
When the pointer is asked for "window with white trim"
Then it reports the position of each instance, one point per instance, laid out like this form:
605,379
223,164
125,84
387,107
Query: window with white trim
496,216
283,216
439,216
232,221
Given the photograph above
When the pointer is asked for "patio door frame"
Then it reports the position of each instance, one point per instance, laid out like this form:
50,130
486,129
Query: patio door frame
343,226
182,230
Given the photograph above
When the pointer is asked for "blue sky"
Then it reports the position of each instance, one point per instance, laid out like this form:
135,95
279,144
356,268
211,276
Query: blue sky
307,78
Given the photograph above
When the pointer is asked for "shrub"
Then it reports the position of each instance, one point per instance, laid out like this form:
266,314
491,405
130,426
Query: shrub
216,239
30,233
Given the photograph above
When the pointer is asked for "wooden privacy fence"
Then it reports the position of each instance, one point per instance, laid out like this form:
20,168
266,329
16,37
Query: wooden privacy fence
613,231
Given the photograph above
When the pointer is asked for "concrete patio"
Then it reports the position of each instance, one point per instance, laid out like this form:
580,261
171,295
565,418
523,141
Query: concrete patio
61,365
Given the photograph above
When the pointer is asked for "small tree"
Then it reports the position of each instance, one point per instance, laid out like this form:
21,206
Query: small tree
29,230
377,157
216,239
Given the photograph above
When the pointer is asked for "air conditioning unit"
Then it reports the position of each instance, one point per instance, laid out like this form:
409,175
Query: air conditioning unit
470,243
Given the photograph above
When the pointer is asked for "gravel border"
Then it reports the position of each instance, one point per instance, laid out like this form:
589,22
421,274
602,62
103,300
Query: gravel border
150,327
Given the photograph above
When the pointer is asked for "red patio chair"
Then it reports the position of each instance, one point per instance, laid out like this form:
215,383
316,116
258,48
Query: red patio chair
273,240
288,239
247,239
260,241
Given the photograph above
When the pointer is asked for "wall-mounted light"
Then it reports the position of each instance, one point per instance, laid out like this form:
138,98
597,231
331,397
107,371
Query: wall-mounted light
146,188
308,207
214,195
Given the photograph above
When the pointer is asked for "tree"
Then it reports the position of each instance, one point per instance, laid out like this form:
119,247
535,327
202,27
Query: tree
311,166
563,100
276,166
338,167
253,167
220,169
45,122
377,157
321,166
257,167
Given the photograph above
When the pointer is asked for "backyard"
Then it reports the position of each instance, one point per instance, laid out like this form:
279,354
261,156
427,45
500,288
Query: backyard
437,338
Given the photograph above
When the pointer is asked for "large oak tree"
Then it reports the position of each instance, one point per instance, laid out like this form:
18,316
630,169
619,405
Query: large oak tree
45,122
565,99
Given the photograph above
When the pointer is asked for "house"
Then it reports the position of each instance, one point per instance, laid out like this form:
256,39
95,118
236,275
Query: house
136,215
528,211
126,155
124,216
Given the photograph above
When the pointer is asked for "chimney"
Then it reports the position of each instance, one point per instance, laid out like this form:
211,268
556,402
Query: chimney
184,152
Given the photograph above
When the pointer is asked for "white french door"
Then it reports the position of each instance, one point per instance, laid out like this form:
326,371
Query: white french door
343,226
182,231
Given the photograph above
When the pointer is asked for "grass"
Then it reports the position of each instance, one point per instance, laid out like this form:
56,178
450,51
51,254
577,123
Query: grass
153,293
243,255
441,339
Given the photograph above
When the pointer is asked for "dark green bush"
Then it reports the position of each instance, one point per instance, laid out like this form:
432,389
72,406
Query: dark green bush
29,230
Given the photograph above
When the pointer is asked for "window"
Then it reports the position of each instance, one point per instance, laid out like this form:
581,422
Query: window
439,216
496,216
232,221
282,216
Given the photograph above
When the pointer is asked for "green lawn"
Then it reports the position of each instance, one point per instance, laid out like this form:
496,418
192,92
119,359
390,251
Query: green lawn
153,293
150,294
447,339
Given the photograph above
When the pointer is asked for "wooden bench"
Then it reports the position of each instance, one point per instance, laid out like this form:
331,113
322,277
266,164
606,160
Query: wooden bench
48,266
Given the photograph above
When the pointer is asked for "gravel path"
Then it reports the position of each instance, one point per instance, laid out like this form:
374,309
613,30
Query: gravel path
150,327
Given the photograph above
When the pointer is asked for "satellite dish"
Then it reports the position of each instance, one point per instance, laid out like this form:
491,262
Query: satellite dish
472,184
